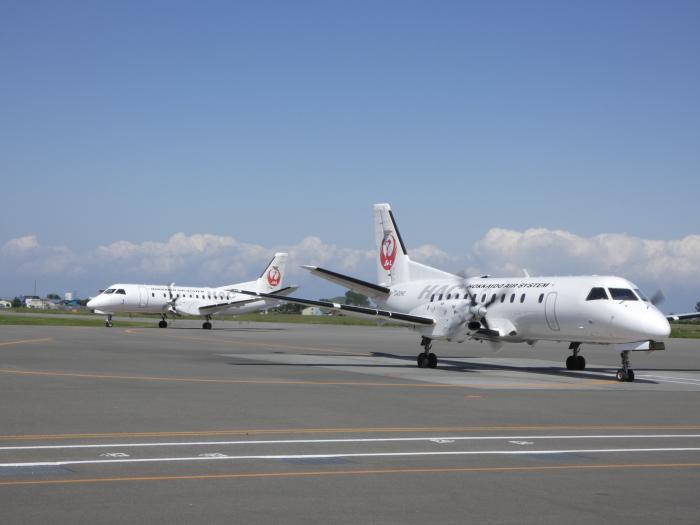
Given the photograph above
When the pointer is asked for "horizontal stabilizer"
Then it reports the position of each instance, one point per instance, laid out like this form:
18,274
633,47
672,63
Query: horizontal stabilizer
358,311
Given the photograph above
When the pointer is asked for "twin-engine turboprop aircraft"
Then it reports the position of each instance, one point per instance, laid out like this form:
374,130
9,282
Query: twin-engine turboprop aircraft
439,305
193,300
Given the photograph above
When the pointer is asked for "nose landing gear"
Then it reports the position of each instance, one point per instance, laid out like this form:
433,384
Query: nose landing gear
625,373
575,361
426,359
108,321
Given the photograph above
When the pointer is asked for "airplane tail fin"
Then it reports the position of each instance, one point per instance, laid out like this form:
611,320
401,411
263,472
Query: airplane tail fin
392,258
271,278
394,266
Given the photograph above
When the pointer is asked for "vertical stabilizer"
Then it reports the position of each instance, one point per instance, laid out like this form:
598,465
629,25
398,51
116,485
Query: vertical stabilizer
392,258
271,279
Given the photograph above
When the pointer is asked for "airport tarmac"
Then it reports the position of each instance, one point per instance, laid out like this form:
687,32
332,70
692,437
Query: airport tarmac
284,423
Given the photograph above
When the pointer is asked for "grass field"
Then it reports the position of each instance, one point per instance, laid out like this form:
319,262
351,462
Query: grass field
689,330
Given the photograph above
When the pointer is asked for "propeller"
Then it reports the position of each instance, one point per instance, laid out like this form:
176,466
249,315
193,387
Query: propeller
657,298
173,299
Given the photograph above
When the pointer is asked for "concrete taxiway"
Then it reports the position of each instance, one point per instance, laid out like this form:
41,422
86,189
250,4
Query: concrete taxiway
263,423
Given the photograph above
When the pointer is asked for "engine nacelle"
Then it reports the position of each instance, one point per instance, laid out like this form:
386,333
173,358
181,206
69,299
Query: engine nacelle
474,325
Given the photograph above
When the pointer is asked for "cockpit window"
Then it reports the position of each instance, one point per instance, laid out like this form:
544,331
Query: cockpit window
121,291
641,295
622,294
596,294
109,290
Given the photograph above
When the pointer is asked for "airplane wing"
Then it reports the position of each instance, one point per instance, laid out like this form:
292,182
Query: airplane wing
680,317
214,308
357,311
363,287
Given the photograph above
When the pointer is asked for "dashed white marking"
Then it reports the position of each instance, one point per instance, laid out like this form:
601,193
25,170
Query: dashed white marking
345,440
355,455
522,442
671,379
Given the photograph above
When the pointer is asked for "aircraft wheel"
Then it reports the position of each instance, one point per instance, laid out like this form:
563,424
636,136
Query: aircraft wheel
422,361
108,324
621,376
630,375
162,324
570,362
432,360
206,325
580,362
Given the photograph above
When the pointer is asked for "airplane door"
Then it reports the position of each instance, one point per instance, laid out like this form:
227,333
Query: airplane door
143,296
551,312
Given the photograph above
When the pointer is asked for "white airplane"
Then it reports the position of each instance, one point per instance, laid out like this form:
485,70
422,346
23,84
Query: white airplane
192,300
603,310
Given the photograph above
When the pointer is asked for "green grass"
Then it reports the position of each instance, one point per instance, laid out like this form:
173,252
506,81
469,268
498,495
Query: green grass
62,321
688,330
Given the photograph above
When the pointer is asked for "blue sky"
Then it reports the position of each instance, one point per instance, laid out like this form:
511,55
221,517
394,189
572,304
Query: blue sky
270,122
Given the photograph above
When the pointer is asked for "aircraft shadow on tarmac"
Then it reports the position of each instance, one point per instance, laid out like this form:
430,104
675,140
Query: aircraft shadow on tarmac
597,373
241,329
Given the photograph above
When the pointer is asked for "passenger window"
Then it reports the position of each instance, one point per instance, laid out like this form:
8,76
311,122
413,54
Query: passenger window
152,294
522,298
622,294
440,297
493,298
596,294
503,298
449,295
512,298
456,296
483,298
541,298
432,298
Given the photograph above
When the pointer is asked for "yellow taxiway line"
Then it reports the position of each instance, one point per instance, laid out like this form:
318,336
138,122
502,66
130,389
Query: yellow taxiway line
348,430
364,472
26,341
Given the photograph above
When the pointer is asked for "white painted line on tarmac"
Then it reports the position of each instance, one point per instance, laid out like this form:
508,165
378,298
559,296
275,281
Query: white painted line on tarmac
352,455
435,439
672,379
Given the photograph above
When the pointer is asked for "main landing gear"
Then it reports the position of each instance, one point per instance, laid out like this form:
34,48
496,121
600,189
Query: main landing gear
162,323
575,361
206,325
108,321
426,359
625,373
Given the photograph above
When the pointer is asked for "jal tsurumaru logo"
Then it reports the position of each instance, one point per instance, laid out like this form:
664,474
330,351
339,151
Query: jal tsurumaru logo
274,276
387,251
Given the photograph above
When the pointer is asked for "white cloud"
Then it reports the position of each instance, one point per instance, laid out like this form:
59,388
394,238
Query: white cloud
20,245
214,259
559,252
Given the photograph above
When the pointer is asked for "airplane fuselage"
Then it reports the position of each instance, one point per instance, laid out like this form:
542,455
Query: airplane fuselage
159,299
532,309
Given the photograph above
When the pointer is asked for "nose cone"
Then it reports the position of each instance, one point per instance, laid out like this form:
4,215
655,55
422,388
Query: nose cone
658,326
95,303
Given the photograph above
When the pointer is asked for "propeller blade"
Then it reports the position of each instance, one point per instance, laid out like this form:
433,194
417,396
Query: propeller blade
657,298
